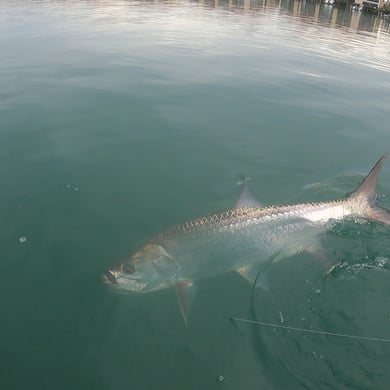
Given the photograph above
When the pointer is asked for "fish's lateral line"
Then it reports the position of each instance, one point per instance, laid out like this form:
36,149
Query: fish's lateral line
308,330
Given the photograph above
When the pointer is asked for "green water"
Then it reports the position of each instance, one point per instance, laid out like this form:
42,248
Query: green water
120,119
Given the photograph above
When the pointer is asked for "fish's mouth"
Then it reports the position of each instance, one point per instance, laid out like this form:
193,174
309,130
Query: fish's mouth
116,280
109,277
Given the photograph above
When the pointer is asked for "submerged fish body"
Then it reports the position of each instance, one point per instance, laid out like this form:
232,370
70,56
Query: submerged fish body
244,236
241,239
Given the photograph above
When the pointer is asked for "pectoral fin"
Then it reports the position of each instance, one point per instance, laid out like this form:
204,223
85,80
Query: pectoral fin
320,254
185,291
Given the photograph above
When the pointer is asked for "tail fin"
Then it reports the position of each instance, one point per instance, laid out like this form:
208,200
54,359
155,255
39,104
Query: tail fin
366,193
367,189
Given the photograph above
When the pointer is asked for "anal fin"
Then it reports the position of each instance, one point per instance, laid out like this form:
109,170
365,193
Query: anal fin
255,274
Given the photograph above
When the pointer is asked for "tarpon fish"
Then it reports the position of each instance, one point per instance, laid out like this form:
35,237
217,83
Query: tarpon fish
242,239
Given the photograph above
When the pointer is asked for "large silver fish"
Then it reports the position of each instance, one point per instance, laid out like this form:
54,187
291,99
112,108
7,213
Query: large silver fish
242,239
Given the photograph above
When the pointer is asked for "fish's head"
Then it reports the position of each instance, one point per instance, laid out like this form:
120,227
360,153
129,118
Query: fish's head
150,268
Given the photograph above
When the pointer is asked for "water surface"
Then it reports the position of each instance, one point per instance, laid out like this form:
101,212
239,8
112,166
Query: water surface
120,119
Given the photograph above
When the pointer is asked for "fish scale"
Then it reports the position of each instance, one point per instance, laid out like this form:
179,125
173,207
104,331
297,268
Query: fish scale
234,220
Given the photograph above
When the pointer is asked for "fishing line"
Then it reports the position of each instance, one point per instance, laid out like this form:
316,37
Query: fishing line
308,330
293,328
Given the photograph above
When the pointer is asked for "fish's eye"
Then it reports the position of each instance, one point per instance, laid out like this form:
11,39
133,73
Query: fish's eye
128,268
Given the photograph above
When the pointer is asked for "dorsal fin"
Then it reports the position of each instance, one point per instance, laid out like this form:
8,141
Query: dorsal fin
367,188
246,199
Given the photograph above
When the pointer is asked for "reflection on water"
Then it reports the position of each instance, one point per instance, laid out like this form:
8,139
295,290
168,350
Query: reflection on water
309,18
313,26
314,11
